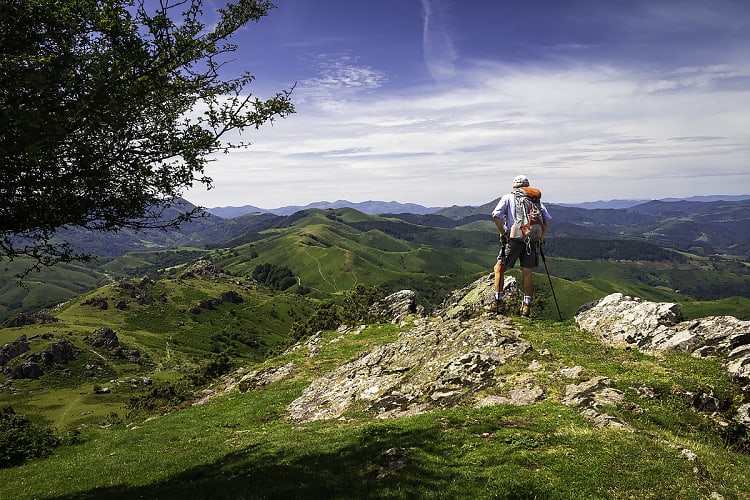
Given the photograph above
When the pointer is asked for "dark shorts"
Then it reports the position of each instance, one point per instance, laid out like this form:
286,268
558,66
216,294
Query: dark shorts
518,250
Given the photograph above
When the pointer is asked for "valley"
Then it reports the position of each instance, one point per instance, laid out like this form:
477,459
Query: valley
145,333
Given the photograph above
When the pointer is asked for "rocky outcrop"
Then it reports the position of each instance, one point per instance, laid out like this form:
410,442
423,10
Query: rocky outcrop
591,396
231,297
139,292
32,366
211,303
397,307
105,338
203,268
13,349
435,363
658,328
25,318
260,378
469,301
97,302
453,358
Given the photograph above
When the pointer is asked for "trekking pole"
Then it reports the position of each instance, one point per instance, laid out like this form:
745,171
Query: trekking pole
541,251
502,250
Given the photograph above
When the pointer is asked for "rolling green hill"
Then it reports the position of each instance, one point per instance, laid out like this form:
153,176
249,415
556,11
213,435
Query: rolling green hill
46,288
700,227
330,251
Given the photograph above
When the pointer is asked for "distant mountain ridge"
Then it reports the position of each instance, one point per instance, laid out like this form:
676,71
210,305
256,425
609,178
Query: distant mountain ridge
676,224
393,207
633,203
368,207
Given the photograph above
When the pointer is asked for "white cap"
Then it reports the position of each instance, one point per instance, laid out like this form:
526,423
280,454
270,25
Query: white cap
520,180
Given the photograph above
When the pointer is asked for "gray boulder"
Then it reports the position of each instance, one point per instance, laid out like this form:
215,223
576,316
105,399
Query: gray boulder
106,338
658,328
591,397
397,307
32,366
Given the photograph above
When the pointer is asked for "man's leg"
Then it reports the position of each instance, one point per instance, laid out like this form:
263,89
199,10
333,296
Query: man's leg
499,277
528,281
512,251
529,260
528,290
497,303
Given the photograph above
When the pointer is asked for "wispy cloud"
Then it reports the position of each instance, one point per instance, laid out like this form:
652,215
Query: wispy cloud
439,51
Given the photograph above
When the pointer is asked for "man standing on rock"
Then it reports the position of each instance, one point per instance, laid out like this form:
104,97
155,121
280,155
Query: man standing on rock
522,221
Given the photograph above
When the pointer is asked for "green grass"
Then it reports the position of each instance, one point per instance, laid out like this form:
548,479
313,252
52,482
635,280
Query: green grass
731,306
241,446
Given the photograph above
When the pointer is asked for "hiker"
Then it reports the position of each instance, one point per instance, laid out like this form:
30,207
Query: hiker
521,207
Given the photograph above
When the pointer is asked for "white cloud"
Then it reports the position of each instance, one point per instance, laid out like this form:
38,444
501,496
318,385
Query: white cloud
582,133
338,78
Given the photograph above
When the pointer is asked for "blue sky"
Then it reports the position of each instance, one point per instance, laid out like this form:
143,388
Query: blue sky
443,102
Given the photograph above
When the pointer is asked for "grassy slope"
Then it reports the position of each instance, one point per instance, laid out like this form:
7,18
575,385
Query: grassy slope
330,256
241,446
46,288
171,342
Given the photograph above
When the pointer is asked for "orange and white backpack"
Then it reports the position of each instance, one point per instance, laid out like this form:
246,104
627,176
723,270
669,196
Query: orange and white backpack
529,221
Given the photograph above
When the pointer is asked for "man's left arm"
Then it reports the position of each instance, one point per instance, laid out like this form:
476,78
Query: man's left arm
547,218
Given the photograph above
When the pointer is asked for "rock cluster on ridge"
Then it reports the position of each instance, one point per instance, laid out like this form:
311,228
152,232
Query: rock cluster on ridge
655,328
438,362
454,357
463,357
397,307
441,361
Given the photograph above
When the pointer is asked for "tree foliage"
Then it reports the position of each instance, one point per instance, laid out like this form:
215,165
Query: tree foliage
277,277
110,109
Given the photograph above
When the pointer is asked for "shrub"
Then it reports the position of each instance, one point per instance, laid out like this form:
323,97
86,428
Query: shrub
21,439
213,368
357,302
327,316
167,396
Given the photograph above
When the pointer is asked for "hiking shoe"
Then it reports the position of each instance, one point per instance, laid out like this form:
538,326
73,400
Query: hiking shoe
525,310
497,307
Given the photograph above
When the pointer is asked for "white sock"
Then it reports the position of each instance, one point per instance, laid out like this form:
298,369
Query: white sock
498,295
527,300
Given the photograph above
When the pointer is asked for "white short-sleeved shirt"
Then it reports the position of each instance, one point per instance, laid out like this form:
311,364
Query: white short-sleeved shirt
506,211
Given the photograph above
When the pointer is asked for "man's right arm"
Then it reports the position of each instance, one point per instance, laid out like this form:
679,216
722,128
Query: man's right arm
499,223
498,217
